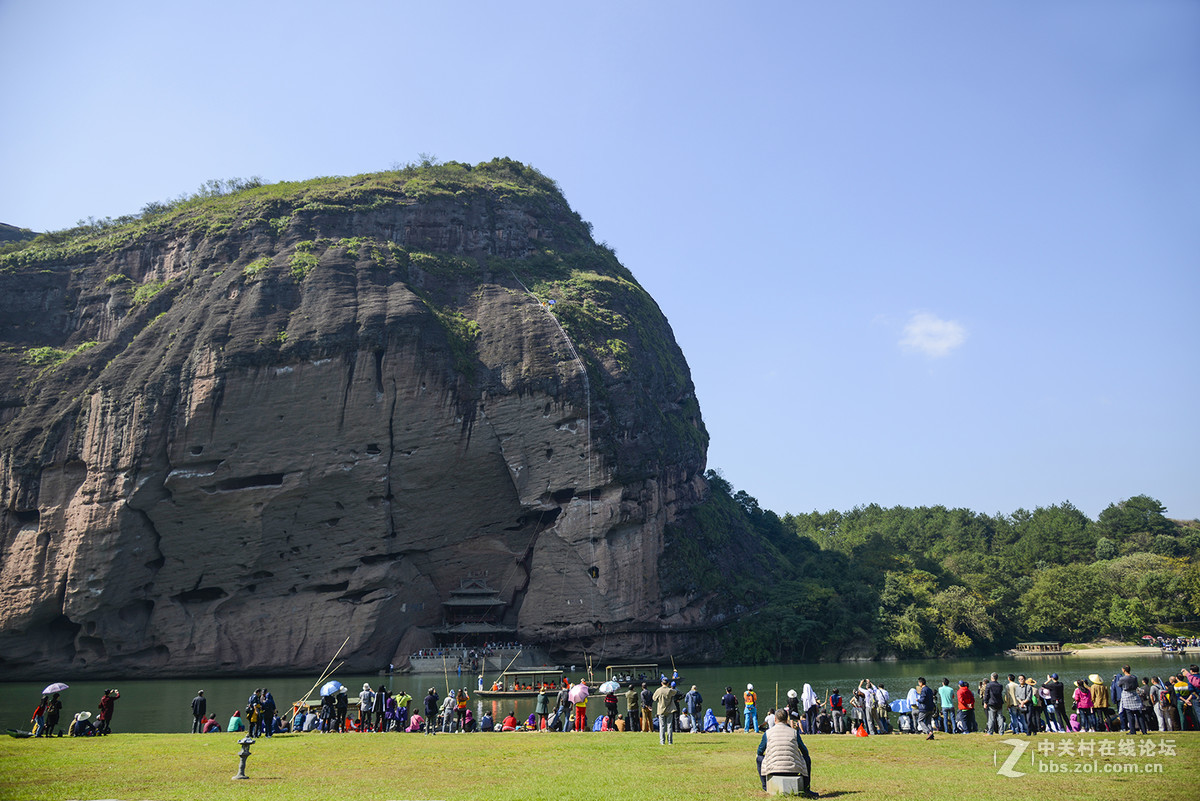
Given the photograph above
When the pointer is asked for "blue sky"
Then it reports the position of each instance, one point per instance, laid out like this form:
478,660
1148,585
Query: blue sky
915,253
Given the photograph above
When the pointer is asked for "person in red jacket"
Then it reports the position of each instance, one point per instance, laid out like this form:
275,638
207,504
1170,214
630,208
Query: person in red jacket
966,708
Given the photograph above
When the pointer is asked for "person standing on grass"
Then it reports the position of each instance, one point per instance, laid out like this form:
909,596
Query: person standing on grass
693,702
107,706
883,706
993,701
1016,718
366,702
836,711
460,711
1083,707
562,703
610,705
966,708
664,705
1100,700
926,703
730,702
581,710
199,709
1057,700
750,710
632,706
268,713
379,708
947,701
431,710
1033,710
342,707
870,703
542,708
39,717
647,708
1131,703
53,712
1192,677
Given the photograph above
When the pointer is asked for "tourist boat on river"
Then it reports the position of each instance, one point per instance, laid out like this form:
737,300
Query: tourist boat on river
1038,649
523,684
636,674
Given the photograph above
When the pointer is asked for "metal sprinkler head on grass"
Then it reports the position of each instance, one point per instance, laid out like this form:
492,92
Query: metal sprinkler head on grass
245,743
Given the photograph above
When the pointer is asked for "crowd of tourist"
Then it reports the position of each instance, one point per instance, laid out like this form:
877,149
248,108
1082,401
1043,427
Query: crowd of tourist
1176,644
1016,704
1020,705
464,651
464,658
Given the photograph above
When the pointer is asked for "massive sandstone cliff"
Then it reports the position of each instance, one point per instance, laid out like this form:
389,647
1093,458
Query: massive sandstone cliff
244,428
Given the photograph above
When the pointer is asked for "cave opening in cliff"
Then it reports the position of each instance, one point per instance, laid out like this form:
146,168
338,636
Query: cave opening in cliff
250,482
27,516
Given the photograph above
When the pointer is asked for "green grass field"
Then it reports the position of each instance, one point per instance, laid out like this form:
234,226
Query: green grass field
162,767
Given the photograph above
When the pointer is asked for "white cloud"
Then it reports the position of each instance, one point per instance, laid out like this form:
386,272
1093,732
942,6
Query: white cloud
932,336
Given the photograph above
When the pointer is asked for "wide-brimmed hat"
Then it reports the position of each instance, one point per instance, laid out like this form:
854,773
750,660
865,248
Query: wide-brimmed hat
1095,679
83,716
1031,681
791,693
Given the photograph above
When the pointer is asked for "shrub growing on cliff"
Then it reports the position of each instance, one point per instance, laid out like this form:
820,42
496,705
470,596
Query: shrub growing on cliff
52,356
147,291
302,264
251,270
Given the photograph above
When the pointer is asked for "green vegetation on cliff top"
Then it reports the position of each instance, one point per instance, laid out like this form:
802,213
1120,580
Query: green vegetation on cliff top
222,207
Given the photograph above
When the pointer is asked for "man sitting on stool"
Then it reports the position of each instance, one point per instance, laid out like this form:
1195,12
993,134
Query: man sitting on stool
782,753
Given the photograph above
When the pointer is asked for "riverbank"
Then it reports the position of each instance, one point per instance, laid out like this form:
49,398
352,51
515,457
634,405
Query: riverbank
583,767
1108,651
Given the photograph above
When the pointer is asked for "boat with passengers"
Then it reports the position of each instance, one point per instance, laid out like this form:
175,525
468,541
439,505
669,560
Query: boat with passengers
523,683
636,674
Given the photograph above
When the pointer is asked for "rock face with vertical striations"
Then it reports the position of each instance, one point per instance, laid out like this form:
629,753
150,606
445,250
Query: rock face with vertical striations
246,426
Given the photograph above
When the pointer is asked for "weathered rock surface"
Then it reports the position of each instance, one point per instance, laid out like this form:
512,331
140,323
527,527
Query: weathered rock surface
307,414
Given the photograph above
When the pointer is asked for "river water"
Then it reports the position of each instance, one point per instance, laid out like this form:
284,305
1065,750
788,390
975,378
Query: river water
164,705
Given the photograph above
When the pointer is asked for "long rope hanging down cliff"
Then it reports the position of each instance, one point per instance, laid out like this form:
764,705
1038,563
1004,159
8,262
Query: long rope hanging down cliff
587,389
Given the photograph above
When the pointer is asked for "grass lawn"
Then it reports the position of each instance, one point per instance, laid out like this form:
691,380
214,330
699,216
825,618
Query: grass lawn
162,767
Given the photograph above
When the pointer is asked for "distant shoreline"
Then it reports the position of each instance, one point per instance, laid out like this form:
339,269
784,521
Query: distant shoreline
1118,650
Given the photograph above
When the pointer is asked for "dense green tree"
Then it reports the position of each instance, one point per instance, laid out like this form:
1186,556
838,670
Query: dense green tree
1067,601
1139,514
934,581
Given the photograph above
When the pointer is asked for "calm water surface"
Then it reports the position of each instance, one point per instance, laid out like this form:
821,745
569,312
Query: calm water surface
165,705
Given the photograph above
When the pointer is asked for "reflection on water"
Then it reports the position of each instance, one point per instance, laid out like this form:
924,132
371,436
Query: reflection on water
165,705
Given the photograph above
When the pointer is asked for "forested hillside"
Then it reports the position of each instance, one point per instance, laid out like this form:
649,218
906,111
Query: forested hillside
932,581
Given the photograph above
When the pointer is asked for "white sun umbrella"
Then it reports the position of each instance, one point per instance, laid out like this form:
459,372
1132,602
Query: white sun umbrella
56,687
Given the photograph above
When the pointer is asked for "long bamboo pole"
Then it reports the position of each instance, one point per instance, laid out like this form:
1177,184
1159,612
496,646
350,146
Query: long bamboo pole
506,667
326,672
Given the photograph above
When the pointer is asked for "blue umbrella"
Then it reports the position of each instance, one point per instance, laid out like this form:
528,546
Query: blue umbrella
332,688
901,705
